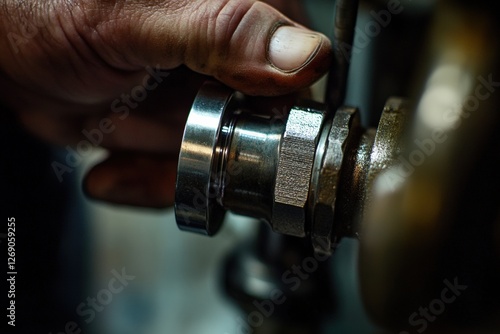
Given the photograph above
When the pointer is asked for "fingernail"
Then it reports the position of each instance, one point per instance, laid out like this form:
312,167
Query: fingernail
291,48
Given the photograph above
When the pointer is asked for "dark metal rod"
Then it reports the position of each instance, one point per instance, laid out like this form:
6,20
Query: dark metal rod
346,12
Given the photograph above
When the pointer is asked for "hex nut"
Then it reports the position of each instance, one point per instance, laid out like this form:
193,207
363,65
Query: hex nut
327,176
295,163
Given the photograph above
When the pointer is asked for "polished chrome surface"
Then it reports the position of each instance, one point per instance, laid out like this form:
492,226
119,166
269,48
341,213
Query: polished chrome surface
305,176
251,164
196,206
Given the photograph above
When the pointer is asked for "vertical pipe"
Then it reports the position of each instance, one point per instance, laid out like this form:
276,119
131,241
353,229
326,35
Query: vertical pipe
343,36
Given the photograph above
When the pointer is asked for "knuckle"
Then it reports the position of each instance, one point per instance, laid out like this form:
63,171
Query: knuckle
228,19
223,35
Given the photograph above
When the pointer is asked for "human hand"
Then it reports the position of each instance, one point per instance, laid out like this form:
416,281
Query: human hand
68,65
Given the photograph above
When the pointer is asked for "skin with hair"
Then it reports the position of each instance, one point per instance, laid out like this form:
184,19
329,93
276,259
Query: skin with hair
65,63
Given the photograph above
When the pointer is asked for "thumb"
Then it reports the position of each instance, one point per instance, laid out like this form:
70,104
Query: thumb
246,44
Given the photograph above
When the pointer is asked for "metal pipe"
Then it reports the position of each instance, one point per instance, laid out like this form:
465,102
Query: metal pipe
346,12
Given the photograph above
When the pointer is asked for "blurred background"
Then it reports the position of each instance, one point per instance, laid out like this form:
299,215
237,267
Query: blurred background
69,248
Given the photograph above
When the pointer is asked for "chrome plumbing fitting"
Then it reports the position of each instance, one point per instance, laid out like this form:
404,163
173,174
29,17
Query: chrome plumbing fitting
306,175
